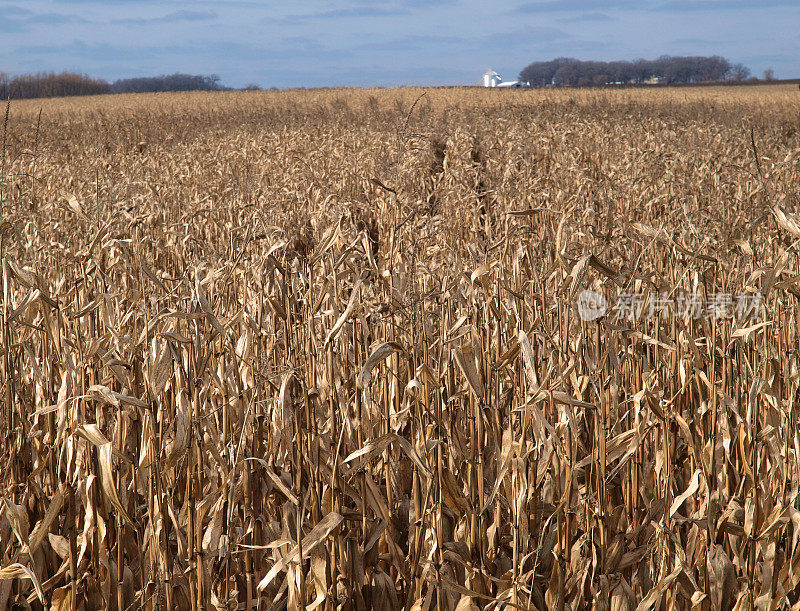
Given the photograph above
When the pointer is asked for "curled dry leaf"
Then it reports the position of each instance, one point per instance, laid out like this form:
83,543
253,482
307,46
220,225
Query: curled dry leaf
348,311
20,571
380,352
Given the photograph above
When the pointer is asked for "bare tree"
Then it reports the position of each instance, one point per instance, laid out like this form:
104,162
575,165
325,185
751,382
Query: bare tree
738,72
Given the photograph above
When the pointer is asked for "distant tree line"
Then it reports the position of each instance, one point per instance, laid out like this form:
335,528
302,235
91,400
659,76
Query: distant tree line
50,84
666,69
168,82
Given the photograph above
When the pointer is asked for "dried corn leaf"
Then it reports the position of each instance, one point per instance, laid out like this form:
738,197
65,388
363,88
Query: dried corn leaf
20,571
107,482
378,354
317,535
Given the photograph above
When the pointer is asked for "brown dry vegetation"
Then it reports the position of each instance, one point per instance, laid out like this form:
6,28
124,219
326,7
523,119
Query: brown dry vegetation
269,350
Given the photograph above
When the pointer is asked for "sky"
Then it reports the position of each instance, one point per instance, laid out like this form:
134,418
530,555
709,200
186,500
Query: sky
382,42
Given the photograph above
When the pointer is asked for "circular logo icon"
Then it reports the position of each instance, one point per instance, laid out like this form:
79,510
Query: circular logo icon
591,305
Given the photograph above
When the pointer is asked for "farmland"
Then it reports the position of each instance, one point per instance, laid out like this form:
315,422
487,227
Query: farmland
323,349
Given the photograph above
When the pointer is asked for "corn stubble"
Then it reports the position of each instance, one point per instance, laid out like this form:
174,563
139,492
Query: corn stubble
321,350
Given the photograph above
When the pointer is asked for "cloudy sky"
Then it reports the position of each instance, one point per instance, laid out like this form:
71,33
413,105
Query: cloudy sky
383,42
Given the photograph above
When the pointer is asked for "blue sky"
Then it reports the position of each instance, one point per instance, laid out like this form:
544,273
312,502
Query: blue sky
354,42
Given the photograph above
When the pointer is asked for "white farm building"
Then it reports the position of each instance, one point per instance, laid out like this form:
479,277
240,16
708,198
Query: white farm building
492,79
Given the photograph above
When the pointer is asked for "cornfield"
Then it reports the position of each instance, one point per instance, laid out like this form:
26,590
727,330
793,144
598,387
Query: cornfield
324,349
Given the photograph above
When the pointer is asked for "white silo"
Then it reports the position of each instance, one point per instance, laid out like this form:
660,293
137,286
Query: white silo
491,79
